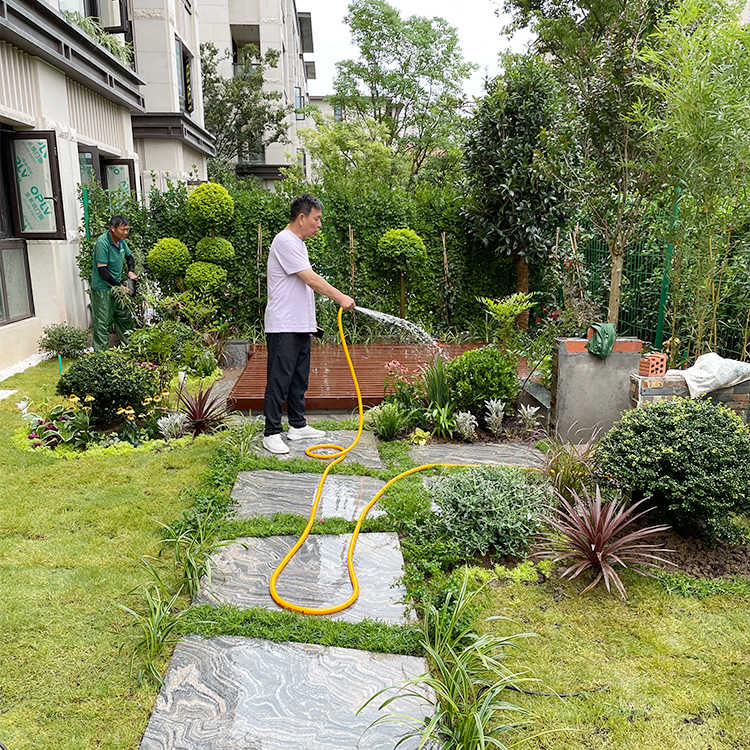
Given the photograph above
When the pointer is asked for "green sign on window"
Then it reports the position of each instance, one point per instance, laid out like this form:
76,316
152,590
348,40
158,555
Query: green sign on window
34,183
118,177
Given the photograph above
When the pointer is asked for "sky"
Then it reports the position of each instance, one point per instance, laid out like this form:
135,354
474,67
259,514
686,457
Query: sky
479,31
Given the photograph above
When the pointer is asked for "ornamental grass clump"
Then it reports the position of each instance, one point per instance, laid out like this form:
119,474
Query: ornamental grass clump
589,535
691,457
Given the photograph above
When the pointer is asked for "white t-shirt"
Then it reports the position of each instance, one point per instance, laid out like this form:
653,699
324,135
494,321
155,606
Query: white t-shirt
291,303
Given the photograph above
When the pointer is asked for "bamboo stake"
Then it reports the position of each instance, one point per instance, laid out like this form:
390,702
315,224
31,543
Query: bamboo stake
259,260
445,275
351,255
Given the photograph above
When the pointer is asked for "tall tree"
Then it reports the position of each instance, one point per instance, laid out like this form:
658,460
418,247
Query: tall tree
514,209
613,170
237,112
408,77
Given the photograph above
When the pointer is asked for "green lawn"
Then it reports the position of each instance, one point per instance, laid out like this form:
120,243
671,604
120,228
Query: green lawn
678,668
69,532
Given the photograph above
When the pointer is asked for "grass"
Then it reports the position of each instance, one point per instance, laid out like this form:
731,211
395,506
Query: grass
69,534
677,667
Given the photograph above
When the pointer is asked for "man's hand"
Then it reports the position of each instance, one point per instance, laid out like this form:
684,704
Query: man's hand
347,302
132,275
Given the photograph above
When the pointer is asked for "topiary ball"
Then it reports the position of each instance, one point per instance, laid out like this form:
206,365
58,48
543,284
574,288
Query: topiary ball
206,277
168,258
210,207
689,456
402,250
215,250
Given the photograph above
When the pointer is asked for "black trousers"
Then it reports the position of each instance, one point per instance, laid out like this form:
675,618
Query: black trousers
286,379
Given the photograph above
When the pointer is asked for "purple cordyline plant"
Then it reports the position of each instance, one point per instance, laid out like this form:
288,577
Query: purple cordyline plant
589,536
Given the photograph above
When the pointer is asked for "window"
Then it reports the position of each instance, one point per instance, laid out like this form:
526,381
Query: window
111,14
184,77
15,283
119,174
88,164
35,192
299,102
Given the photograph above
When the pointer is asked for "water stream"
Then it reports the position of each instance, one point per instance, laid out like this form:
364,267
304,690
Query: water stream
415,330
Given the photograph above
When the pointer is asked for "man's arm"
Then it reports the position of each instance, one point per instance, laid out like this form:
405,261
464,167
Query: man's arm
106,275
318,284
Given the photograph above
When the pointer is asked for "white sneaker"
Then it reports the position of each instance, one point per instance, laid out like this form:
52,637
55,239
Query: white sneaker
304,433
275,444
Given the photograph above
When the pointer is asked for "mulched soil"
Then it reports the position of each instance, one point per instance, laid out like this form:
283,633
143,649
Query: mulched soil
697,558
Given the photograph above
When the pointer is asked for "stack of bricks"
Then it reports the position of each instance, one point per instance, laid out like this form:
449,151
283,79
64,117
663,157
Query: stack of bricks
645,390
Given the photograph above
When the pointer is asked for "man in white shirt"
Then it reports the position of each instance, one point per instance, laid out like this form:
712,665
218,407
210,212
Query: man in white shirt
289,322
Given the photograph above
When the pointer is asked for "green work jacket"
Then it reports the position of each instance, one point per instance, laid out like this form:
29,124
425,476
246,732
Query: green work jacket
105,251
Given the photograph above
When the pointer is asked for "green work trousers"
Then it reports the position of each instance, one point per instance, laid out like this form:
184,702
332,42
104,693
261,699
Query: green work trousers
105,310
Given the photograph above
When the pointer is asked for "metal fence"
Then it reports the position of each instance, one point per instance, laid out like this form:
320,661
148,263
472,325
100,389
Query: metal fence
649,308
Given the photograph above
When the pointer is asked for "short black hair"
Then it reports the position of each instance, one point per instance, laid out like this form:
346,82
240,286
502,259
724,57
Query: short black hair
118,220
303,204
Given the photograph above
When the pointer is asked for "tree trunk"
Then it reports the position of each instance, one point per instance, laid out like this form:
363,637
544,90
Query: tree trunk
614,289
522,285
403,296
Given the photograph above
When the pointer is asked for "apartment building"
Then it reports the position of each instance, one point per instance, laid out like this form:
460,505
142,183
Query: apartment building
268,24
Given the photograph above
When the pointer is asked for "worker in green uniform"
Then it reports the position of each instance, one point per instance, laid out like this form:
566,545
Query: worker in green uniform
110,250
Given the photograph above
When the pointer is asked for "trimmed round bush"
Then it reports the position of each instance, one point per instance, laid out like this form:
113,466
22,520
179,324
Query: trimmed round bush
215,250
490,508
60,338
111,379
210,207
691,457
206,277
168,258
482,374
402,250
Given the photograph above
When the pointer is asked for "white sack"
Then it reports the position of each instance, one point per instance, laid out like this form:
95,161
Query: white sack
711,371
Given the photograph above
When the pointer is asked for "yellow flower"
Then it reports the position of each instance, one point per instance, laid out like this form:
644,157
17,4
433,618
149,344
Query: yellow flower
164,392
87,408
120,411
147,400
131,417
157,398
140,416
89,398
130,410
73,398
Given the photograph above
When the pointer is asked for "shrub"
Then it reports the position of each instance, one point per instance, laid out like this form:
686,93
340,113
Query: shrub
482,374
215,250
63,339
388,420
111,379
206,277
590,536
168,259
402,250
169,344
490,508
690,457
210,207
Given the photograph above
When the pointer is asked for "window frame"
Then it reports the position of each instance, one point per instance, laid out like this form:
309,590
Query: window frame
56,197
97,159
299,103
130,163
124,23
185,76
9,244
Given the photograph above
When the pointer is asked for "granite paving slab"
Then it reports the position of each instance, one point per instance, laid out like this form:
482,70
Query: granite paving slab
365,452
232,693
517,454
317,575
263,493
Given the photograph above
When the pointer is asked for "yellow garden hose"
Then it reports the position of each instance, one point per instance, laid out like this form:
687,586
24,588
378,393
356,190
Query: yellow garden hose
337,457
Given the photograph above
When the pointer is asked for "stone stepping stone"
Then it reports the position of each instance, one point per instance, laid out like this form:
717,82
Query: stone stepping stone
317,575
517,454
263,493
233,693
365,452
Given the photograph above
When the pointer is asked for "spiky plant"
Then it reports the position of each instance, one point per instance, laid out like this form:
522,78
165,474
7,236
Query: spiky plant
589,535
204,413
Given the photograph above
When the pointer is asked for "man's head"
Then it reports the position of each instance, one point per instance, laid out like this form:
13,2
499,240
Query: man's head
119,227
304,216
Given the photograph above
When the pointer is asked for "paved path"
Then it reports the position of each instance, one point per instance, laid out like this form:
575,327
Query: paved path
232,693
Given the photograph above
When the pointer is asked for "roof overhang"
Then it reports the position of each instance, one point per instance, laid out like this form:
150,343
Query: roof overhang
305,31
172,126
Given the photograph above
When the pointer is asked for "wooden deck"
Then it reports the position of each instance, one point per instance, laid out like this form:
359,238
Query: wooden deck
330,385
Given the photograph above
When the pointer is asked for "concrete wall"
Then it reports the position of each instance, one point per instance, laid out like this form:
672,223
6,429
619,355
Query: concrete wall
589,392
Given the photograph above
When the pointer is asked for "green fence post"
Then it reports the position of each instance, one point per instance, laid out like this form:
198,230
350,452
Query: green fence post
85,195
665,278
